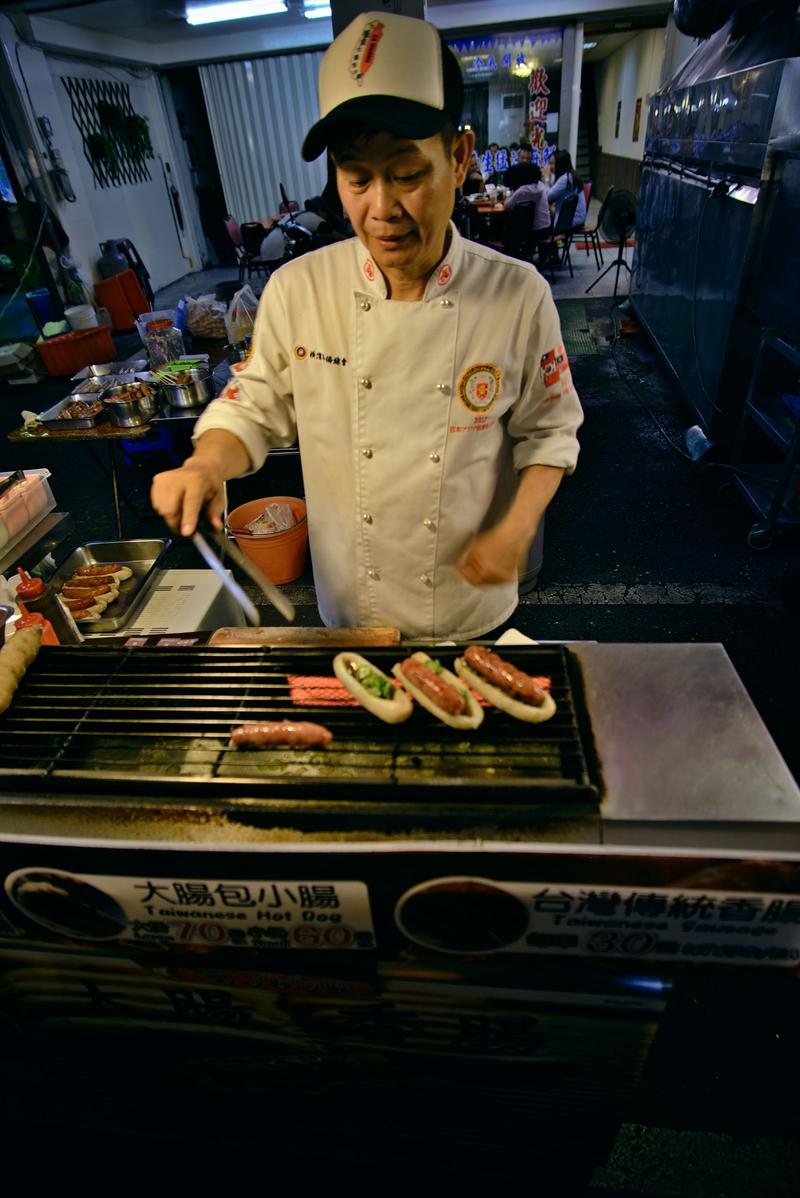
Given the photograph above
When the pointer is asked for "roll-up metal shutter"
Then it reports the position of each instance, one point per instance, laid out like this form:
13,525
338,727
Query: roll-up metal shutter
259,112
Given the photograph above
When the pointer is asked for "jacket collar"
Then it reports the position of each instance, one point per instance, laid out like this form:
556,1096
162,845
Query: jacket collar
444,276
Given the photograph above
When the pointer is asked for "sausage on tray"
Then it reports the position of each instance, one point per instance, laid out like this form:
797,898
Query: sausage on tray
93,580
105,591
281,732
120,572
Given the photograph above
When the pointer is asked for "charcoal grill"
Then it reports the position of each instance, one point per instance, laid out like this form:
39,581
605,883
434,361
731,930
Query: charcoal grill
157,722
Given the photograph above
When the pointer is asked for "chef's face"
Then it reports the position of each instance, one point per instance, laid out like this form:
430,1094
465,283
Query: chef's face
399,194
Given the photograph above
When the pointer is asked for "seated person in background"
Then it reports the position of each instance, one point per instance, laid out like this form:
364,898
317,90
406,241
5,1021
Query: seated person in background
523,171
474,182
534,193
566,183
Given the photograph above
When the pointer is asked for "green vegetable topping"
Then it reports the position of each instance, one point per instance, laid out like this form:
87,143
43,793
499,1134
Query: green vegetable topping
377,684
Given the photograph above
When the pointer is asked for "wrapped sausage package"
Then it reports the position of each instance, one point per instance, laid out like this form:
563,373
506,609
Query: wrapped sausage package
276,517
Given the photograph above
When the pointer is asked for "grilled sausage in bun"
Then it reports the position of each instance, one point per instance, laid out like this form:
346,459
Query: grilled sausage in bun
506,687
439,691
372,688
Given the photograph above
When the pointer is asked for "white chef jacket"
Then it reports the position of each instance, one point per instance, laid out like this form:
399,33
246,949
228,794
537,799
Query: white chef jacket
412,418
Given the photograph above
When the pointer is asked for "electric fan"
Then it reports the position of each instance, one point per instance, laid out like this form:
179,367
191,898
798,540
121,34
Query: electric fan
619,221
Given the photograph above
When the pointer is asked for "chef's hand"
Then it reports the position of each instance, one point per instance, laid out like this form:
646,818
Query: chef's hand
180,495
496,556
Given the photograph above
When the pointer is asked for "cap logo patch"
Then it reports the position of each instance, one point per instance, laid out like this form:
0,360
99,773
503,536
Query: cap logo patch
445,274
479,386
364,53
369,270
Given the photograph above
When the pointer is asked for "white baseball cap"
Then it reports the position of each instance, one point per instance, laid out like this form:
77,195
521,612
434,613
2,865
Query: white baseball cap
387,72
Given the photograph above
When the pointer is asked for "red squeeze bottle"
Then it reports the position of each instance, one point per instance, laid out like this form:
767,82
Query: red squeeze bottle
29,618
39,597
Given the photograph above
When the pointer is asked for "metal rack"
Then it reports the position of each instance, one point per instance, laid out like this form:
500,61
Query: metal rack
765,486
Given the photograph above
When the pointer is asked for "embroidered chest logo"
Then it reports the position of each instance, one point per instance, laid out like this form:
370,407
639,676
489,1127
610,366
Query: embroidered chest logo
366,47
555,368
369,271
479,386
445,275
314,355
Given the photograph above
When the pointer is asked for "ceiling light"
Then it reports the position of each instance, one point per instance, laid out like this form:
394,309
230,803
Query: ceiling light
316,8
589,45
232,10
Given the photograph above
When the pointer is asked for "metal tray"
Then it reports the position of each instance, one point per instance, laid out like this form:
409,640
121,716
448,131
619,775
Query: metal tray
143,558
104,368
50,418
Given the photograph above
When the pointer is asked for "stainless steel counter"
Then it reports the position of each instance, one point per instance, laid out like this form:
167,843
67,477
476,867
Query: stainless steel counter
685,756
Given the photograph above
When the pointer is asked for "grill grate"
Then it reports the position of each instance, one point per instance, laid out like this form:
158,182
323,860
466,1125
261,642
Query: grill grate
163,717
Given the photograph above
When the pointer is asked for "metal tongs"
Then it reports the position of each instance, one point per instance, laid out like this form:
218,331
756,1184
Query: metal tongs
206,531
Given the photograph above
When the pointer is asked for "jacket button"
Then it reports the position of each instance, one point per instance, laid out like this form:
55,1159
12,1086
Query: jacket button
367,453
366,384
429,523
443,387
365,305
366,517
373,574
434,457
426,578
446,303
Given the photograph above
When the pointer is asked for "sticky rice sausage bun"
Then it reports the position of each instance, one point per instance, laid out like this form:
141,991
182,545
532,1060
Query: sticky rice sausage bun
502,700
470,718
391,711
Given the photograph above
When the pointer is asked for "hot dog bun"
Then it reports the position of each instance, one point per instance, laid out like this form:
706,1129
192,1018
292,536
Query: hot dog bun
502,700
471,718
391,711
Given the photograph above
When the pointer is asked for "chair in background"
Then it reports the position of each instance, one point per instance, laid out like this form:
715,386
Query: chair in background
235,234
580,230
519,239
593,235
555,248
253,233
286,205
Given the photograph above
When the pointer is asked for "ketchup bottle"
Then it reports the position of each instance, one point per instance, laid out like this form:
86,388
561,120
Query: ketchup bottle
39,597
27,619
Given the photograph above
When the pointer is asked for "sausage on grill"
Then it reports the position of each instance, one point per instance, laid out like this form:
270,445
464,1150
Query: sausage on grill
281,732
501,673
434,686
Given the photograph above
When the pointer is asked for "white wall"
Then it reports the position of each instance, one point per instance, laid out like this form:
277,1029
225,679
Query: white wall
632,72
141,212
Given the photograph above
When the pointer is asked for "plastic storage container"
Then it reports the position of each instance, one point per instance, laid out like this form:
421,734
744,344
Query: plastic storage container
123,297
23,506
82,316
69,352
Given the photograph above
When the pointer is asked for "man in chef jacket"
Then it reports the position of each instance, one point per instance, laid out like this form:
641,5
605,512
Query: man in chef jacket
423,376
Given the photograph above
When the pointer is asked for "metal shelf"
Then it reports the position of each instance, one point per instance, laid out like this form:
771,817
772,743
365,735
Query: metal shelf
774,418
760,494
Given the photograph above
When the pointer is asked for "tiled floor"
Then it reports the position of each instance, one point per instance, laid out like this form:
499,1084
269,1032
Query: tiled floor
564,286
